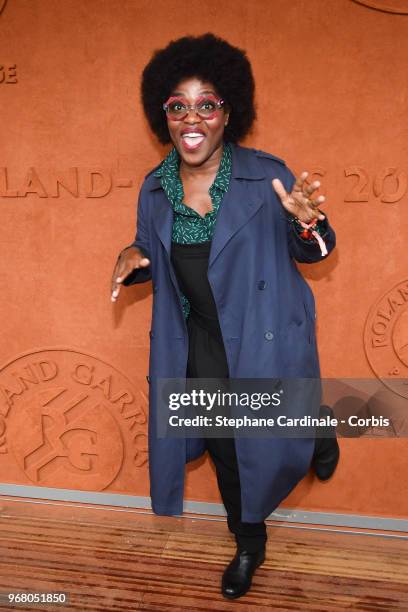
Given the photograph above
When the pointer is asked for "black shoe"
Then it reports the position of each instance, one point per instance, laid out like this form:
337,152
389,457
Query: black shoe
237,578
327,452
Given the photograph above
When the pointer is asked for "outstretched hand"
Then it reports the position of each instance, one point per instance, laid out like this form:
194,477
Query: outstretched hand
299,203
131,258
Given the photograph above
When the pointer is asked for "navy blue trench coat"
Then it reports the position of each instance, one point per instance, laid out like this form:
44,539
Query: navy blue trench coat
267,317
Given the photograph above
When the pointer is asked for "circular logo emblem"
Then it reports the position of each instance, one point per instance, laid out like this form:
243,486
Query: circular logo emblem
70,420
386,338
387,6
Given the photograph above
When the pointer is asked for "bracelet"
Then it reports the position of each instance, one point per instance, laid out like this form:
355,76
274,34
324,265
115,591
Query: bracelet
310,231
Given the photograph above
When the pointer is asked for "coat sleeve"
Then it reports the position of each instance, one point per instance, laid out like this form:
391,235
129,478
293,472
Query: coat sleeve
142,241
306,251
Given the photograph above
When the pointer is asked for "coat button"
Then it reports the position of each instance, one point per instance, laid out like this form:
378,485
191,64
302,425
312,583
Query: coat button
268,335
261,284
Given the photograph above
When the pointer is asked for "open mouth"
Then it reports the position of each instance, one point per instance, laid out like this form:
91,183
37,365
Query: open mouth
192,140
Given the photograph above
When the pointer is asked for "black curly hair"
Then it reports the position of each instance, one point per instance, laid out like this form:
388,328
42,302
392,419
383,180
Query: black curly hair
208,58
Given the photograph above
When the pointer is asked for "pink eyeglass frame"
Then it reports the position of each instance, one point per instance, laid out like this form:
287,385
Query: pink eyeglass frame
218,101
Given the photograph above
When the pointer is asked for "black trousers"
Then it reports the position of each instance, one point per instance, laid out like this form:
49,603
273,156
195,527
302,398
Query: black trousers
211,363
248,536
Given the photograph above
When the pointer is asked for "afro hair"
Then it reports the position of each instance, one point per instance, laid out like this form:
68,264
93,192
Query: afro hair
210,59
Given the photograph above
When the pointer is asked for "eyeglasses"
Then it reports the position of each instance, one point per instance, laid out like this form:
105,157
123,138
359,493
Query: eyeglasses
206,107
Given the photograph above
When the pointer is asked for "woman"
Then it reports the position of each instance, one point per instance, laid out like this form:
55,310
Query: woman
218,229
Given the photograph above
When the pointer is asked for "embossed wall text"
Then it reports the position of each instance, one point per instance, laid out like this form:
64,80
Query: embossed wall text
387,185
91,182
8,74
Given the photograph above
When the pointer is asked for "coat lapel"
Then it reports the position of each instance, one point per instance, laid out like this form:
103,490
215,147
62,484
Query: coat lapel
241,201
163,218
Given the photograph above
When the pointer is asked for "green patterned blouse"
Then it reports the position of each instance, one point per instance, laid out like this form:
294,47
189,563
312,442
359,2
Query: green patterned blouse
189,227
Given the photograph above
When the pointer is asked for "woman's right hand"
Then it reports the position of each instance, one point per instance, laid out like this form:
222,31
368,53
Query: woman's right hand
129,259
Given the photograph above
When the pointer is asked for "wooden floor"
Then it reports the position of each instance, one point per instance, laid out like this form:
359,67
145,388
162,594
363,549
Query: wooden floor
118,559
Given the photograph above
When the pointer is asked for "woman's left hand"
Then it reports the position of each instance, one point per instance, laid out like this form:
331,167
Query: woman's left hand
299,202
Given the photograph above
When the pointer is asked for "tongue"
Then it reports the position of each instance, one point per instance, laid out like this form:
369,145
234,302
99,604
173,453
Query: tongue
193,140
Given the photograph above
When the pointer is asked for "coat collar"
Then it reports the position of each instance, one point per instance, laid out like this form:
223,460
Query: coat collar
245,164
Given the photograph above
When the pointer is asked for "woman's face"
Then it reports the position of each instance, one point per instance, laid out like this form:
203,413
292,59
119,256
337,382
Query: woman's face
195,138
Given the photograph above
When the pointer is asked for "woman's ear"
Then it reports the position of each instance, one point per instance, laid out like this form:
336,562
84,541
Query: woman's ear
226,117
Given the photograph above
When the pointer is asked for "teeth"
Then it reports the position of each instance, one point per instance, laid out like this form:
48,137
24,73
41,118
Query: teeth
193,135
